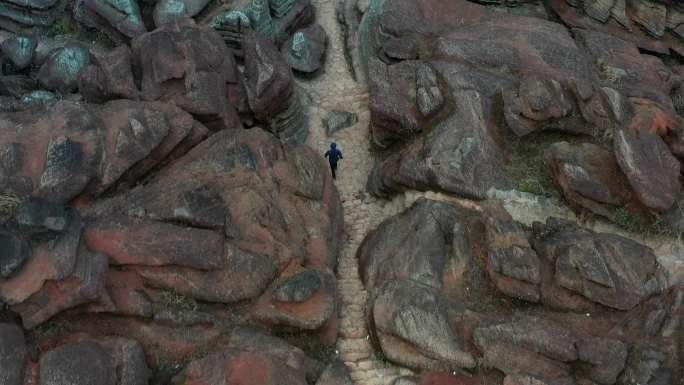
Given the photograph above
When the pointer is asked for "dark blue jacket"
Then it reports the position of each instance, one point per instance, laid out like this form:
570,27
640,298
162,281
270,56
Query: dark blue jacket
333,154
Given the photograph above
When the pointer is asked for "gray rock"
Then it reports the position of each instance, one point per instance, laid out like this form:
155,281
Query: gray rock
16,85
534,334
231,25
589,177
13,354
38,217
510,255
166,11
458,155
40,96
299,287
413,245
645,365
651,169
607,356
270,89
61,70
14,250
338,120
20,50
280,8
400,48
336,373
604,268
124,16
260,17
428,95
407,312
305,50
83,363
527,345
132,365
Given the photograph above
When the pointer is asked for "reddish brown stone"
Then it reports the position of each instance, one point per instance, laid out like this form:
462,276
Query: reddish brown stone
589,177
142,242
189,66
310,313
86,284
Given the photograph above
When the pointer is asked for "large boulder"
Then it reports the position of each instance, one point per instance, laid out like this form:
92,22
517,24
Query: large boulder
52,259
513,266
110,77
543,48
13,354
458,155
15,250
543,103
61,69
650,167
336,373
214,227
19,49
621,65
589,177
252,358
305,50
88,150
121,16
189,66
21,16
303,299
84,285
413,329
149,243
84,363
98,362
528,345
602,268
271,89
407,308
68,136
653,26
166,11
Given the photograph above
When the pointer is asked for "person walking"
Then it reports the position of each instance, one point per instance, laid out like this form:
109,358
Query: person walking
333,156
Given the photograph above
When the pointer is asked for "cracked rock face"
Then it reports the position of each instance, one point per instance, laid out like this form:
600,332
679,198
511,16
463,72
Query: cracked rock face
432,307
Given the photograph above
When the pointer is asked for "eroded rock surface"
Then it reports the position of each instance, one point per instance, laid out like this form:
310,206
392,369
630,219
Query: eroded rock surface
430,270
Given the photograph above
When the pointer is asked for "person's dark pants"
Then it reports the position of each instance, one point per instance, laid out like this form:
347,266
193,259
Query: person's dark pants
333,168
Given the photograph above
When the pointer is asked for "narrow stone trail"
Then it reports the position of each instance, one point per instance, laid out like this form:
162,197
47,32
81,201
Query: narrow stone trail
335,89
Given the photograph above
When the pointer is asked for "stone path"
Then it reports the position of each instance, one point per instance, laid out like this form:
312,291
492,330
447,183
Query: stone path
335,89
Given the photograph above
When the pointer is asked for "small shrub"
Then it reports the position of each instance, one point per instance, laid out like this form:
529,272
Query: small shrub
65,24
526,168
174,299
8,204
635,223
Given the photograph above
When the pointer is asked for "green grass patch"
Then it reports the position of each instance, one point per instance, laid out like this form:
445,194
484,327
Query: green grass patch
526,169
177,300
62,27
382,358
50,329
65,25
648,226
8,204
